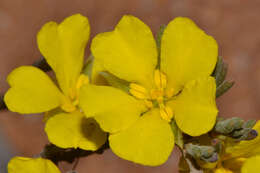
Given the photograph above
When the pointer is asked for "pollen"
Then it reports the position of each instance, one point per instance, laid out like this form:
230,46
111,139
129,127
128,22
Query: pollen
83,80
166,113
138,91
155,97
160,80
67,105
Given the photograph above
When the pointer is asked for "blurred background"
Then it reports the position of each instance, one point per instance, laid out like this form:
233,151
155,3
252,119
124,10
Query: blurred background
235,24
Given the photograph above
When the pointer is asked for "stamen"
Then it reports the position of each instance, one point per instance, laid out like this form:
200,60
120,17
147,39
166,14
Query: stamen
138,91
138,88
160,79
83,80
67,106
166,113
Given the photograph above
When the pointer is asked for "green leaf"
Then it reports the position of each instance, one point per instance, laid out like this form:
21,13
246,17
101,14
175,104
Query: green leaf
220,71
115,81
224,87
178,136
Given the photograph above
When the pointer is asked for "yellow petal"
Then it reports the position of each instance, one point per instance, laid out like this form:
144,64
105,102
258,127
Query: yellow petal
31,165
195,108
129,52
73,130
252,165
32,91
63,47
246,148
222,170
113,109
186,52
234,164
149,141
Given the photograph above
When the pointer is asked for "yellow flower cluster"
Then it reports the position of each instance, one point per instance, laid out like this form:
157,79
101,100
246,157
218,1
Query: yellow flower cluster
173,85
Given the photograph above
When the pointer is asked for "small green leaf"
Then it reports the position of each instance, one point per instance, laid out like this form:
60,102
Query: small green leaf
224,87
178,136
115,81
220,71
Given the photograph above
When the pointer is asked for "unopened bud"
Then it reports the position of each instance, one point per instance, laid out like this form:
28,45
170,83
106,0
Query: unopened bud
249,124
245,134
229,125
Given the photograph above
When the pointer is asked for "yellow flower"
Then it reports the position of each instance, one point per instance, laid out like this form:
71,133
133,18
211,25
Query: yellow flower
241,157
31,165
33,91
176,85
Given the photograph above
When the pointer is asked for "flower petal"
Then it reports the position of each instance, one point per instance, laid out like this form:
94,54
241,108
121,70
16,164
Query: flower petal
222,170
195,108
32,91
246,148
252,165
63,47
129,52
27,165
73,130
149,141
187,53
113,109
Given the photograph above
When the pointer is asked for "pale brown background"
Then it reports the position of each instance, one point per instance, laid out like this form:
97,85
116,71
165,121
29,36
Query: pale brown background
235,24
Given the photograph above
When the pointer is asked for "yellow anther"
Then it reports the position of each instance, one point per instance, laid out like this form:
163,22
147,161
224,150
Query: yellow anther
138,91
163,80
82,80
169,93
160,79
67,106
166,113
148,103
138,88
137,94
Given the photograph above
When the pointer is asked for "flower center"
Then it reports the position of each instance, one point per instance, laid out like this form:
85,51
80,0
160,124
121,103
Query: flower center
157,96
69,104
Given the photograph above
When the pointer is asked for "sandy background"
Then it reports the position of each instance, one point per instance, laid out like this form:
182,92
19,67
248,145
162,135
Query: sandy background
235,24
